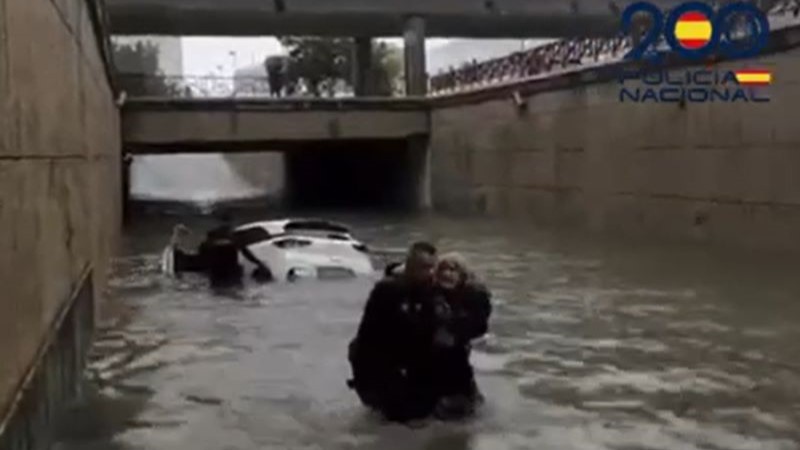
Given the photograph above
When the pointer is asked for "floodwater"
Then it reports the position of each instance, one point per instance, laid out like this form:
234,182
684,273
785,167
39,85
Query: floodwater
594,344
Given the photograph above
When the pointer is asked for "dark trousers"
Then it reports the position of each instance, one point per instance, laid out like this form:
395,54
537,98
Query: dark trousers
399,395
398,400
454,373
227,279
455,384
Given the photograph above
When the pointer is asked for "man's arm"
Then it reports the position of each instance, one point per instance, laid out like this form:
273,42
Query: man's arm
371,352
393,269
377,334
374,316
262,272
249,255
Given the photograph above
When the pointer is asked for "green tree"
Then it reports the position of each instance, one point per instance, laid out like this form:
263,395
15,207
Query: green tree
387,67
322,62
138,72
317,61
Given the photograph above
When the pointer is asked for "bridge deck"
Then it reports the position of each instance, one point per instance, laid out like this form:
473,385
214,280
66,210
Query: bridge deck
230,125
376,18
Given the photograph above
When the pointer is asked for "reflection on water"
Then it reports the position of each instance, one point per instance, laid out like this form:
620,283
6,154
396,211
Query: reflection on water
593,346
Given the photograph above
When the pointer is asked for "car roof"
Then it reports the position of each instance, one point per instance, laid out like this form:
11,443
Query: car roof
311,238
277,227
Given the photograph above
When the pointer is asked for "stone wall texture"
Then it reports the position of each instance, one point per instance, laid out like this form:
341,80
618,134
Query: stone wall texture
718,173
59,172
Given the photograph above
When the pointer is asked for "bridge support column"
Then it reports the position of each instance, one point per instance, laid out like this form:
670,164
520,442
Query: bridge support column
414,37
362,66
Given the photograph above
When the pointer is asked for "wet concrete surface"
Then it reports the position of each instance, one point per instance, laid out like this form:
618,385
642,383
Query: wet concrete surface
593,345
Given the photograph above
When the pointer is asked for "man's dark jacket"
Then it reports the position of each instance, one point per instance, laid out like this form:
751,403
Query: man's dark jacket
392,353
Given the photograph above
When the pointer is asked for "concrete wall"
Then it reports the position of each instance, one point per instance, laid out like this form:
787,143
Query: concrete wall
713,172
59,174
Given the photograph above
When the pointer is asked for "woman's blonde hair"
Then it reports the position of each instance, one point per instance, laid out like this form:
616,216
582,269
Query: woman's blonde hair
458,261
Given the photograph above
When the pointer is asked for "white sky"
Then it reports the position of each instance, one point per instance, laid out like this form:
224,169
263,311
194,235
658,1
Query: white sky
218,55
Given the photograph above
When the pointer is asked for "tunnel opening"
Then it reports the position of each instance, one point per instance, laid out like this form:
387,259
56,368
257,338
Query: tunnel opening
370,174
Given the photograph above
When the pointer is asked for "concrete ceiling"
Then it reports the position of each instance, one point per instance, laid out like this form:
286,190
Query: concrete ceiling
377,18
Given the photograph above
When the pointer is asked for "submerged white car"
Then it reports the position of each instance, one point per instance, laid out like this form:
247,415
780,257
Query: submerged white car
305,248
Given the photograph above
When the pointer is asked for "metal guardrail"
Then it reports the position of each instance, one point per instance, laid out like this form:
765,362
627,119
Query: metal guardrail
52,380
562,56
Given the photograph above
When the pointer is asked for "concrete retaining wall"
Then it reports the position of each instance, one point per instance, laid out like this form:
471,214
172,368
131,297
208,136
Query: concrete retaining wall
713,172
59,185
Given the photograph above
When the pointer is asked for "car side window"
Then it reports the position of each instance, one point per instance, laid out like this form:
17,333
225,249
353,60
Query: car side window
292,243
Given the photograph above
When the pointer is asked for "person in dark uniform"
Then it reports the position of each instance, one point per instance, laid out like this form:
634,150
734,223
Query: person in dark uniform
462,308
184,261
219,254
391,353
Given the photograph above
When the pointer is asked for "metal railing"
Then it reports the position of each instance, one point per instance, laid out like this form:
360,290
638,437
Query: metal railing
145,85
542,61
562,56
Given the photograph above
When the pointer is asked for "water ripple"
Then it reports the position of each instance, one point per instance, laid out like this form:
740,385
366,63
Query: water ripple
590,348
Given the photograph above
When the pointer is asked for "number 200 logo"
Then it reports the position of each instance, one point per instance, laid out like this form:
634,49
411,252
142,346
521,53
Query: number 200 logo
695,31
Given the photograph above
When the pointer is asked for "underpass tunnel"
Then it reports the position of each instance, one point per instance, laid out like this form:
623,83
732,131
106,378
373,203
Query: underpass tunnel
370,174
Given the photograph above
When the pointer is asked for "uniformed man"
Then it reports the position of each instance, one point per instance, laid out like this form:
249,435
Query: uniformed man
219,254
391,353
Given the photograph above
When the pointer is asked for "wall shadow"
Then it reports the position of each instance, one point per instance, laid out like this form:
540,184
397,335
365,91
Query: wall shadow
369,174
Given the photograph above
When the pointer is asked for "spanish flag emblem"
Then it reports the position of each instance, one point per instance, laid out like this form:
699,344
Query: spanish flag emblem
693,30
754,77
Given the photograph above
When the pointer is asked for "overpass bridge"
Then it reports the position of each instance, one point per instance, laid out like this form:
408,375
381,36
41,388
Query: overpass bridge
414,20
364,142
348,146
363,20
370,18
158,125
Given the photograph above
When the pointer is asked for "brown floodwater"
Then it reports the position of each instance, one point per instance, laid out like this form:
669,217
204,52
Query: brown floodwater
594,344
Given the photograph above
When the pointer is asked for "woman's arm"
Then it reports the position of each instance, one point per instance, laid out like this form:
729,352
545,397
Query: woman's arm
473,320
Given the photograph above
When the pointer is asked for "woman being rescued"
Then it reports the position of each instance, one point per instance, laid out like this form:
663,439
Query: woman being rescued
463,308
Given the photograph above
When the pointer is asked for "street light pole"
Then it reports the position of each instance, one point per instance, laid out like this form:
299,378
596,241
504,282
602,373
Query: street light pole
233,61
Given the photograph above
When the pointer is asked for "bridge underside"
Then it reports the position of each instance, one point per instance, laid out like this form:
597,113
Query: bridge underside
373,18
370,174
234,23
